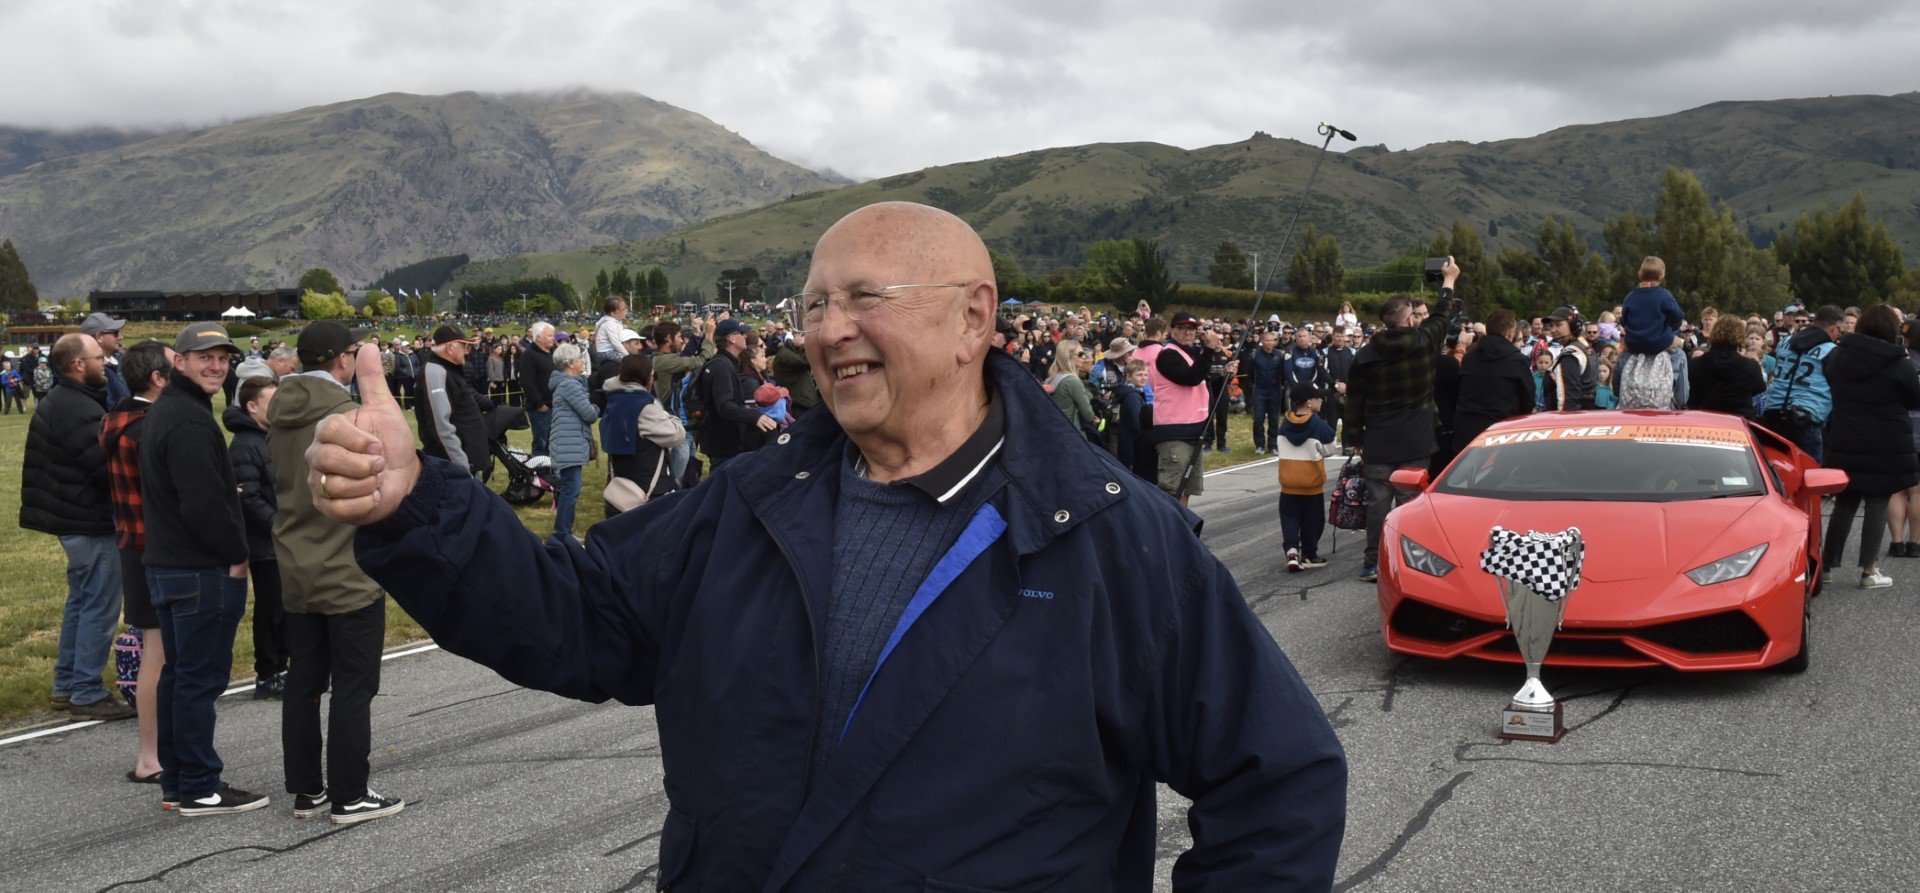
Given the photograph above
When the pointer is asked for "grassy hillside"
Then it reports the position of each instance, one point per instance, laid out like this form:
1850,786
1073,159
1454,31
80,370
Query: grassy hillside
1770,160
364,186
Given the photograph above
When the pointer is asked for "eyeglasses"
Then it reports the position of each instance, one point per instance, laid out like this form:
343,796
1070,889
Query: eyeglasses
809,309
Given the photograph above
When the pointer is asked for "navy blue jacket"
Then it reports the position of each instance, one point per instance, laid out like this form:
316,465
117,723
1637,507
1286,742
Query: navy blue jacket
1012,732
1267,370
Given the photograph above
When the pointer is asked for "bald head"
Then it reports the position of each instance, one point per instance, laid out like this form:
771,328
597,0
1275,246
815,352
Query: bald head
914,240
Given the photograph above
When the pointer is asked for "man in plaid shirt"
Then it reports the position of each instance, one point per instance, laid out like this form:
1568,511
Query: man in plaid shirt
145,368
1389,409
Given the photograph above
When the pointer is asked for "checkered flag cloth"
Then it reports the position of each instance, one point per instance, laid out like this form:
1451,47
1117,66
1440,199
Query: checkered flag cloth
1547,563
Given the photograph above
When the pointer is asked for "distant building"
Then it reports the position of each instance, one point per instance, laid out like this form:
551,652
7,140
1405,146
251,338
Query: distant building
193,305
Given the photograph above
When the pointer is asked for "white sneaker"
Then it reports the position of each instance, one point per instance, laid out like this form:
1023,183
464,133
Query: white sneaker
1875,580
1293,560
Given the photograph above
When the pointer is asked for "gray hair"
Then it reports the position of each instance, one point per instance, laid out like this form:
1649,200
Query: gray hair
538,329
567,354
284,352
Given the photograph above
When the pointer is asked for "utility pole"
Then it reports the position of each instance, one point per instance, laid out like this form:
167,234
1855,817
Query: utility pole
729,284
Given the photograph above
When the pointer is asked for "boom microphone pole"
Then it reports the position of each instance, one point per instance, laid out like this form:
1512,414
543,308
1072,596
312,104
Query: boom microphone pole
1260,288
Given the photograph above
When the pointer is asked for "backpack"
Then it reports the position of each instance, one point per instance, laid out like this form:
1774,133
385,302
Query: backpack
688,402
1646,382
1347,509
42,378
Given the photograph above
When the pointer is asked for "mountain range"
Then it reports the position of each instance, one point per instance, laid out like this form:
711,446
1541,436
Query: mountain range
365,186
1770,161
575,182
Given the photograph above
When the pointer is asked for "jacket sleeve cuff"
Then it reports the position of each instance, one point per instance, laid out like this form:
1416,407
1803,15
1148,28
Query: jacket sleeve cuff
421,507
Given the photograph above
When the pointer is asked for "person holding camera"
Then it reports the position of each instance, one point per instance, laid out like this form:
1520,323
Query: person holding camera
1181,403
1389,412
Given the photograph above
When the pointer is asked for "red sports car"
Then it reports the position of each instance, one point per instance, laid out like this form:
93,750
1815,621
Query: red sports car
1702,539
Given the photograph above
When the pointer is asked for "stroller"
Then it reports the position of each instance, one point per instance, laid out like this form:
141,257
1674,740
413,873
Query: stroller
526,475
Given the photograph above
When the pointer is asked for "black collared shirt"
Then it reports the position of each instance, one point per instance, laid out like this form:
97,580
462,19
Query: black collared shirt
946,481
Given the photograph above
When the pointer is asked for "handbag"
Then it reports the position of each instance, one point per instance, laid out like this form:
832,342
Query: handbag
1789,421
626,495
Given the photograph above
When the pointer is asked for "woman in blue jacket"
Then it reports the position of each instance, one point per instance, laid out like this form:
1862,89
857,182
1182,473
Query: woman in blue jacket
570,432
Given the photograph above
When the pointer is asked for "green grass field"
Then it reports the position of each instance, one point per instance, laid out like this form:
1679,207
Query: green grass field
33,575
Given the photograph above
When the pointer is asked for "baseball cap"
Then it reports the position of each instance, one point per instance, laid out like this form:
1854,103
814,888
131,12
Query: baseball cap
1563,312
449,334
1183,318
769,394
96,323
199,336
630,335
1301,393
730,327
324,339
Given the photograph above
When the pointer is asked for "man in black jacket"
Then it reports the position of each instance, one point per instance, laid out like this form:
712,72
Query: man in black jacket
452,415
253,470
1495,382
536,371
731,421
1390,404
63,491
196,568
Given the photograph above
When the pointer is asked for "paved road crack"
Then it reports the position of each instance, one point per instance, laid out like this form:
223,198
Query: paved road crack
465,701
187,863
1413,827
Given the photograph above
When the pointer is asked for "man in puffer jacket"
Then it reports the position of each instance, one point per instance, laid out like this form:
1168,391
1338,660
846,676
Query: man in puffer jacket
451,414
253,471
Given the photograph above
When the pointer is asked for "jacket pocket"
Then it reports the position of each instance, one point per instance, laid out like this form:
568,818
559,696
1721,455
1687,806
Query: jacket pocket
177,591
676,849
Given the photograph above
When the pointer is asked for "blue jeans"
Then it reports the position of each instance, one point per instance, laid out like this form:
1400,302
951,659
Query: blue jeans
199,610
677,458
1678,358
91,617
1266,408
542,423
1814,441
567,495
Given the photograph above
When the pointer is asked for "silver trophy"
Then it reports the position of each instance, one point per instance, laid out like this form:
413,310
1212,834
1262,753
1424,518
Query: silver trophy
1536,572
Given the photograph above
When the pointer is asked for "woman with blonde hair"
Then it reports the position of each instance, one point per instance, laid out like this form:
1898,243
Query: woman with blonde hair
1070,362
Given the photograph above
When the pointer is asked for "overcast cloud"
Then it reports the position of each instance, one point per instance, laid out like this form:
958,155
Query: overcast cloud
873,88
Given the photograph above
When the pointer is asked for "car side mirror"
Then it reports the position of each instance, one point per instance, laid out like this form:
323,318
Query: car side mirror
1822,481
1414,480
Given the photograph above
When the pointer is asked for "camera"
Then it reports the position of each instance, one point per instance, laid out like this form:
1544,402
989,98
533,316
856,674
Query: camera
1435,267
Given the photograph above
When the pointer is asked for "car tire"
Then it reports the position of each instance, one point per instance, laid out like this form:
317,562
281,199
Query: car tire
1799,662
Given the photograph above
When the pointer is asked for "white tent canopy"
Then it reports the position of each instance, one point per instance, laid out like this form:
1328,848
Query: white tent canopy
236,313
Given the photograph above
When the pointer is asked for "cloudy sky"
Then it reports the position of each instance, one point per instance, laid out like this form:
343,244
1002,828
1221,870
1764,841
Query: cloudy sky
872,88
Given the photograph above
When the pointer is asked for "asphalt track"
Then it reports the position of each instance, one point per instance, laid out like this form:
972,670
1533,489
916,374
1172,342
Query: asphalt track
1666,782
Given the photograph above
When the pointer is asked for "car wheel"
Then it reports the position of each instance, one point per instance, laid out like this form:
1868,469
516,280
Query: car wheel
1798,662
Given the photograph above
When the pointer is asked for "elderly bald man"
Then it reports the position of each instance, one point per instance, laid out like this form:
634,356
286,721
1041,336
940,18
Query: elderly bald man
886,652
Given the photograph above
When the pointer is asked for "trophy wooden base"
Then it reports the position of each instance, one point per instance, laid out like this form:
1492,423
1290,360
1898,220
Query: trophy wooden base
1518,724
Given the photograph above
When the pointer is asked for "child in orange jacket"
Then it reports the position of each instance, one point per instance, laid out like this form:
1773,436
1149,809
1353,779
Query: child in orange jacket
1306,440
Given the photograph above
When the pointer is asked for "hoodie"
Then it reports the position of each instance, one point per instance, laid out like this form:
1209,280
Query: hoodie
1306,440
1495,384
318,573
1801,374
253,471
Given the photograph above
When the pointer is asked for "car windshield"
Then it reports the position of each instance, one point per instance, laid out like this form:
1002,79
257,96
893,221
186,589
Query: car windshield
1612,463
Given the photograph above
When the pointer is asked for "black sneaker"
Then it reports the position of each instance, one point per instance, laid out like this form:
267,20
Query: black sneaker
105,709
226,800
169,802
370,806
306,806
1312,561
270,688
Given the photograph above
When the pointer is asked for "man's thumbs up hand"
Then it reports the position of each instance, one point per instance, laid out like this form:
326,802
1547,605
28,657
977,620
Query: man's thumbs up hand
362,463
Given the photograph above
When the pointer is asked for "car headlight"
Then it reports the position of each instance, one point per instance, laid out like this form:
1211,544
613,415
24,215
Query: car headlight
1422,559
1732,567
